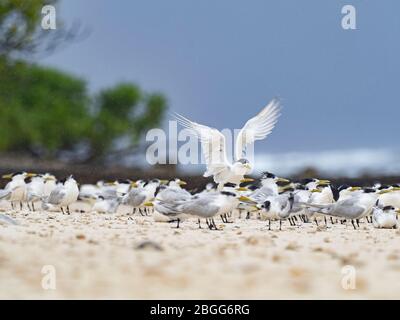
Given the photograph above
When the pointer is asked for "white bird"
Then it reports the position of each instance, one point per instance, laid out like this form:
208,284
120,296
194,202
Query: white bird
203,206
34,191
214,145
390,196
15,190
276,207
106,205
385,217
353,208
62,196
139,197
50,183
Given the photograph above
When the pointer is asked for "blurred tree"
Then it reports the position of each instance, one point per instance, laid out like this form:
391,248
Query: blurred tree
123,111
21,32
44,111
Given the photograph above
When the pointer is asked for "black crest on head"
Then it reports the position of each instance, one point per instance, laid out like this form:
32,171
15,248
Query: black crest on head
267,175
343,187
306,180
229,184
388,208
229,194
369,190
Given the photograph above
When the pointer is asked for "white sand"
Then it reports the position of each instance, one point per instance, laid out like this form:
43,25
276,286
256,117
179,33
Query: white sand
95,256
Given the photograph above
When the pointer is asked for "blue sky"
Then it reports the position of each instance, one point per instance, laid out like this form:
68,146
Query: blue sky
220,62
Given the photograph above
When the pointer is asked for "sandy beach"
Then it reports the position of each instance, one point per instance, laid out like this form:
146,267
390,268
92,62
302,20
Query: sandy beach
111,256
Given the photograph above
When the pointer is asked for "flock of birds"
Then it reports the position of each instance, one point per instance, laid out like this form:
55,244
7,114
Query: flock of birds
309,200
269,198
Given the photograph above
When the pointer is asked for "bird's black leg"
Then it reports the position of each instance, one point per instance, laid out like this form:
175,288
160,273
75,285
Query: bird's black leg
62,210
69,212
213,223
179,220
354,226
222,218
226,218
12,205
358,222
248,215
29,207
198,221
140,211
332,221
20,205
33,206
280,224
326,223
208,224
316,221
269,225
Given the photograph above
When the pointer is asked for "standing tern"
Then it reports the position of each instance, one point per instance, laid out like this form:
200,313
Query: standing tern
15,190
62,196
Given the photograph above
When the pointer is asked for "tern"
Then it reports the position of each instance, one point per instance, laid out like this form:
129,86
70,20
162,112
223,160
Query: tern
62,196
213,144
15,190
204,206
353,208
385,217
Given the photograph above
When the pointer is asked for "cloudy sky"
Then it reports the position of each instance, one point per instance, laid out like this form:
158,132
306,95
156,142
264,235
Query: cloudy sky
220,62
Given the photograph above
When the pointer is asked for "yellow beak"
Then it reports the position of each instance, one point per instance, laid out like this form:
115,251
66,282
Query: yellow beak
182,183
246,180
315,190
148,204
355,188
398,210
282,180
242,189
30,174
384,191
164,181
7,176
134,184
245,199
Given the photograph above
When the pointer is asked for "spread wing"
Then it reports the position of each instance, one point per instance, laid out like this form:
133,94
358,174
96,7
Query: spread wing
257,128
213,145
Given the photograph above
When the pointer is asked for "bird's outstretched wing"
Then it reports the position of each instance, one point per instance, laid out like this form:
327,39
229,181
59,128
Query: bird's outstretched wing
257,128
213,145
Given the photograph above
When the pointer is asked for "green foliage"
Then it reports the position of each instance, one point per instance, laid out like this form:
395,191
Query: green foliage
123,110
19,25
43,109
